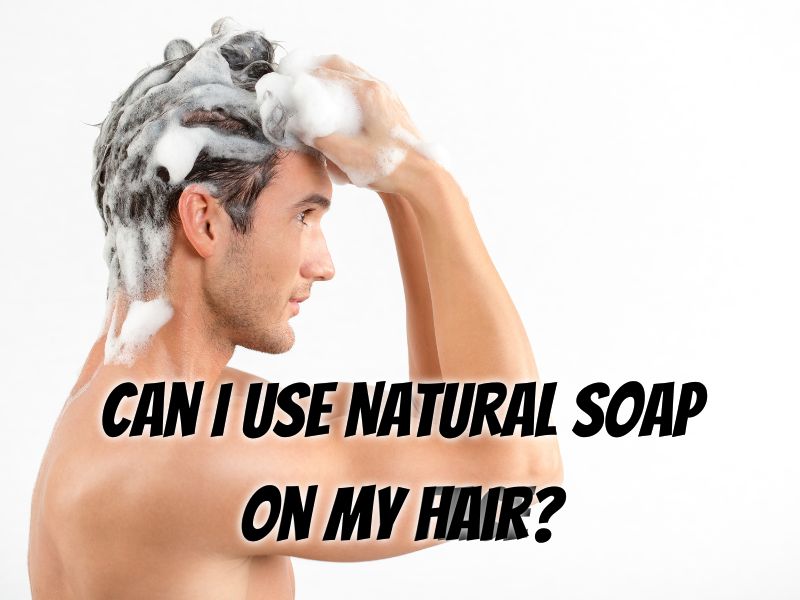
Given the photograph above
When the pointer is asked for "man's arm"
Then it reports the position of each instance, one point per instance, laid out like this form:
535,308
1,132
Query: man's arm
423,359
478,332
479,336
478,340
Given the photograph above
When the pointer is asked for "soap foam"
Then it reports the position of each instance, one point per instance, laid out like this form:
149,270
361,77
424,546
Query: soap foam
296,107
178,148
385,162
298,61
146,149
431,150
142,321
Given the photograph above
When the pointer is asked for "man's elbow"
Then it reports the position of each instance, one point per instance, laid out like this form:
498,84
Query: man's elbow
528,461
545,464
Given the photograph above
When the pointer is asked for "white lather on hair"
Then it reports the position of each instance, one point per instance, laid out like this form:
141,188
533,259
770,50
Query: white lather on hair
144,150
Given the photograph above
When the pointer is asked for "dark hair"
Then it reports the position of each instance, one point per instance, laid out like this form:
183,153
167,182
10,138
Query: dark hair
236,183
127,192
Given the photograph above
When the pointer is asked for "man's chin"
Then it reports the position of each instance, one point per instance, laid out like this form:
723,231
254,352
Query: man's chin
272,342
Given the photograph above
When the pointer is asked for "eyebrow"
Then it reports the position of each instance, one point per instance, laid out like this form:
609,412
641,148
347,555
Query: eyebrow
321,201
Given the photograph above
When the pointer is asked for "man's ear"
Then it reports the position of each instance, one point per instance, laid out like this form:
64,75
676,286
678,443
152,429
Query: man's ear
203,220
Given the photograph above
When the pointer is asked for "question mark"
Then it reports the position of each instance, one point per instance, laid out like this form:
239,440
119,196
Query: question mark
559,497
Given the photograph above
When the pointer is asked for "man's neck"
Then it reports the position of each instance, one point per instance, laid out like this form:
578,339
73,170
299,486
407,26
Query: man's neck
185,348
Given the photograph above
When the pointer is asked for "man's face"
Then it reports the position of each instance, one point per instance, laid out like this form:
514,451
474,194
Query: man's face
250,289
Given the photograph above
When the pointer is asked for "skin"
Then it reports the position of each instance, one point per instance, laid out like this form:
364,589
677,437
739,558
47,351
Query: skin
142,517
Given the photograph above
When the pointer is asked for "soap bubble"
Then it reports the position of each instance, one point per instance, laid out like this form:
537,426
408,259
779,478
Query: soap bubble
181,121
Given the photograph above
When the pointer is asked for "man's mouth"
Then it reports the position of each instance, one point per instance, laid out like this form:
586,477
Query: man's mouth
295,303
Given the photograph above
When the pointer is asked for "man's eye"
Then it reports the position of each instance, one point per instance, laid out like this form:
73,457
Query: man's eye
302,216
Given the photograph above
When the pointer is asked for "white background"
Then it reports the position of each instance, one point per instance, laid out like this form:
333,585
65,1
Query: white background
633,168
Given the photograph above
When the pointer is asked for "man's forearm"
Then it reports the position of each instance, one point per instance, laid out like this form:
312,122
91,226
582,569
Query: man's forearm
479,334
423,359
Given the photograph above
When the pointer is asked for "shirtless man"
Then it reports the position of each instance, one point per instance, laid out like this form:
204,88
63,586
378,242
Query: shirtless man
160,517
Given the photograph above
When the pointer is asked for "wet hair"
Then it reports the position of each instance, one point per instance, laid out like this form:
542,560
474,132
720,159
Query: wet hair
142,162
236,182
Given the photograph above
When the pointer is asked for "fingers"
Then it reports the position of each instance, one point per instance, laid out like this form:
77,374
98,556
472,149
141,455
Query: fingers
369,93
336,174
338,63
328,143
366,91
302,61
336,75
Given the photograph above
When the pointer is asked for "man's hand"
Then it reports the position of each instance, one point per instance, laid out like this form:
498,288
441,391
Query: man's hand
377,156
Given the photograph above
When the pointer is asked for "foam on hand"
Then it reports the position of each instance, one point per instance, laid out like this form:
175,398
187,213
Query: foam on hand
297,107
385,161
431,150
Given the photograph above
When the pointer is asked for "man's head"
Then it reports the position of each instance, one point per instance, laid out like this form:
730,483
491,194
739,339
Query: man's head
249,279
185,177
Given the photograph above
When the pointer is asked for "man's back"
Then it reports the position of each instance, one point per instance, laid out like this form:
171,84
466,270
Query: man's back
102,525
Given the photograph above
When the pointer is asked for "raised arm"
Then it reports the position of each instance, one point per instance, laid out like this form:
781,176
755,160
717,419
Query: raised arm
479,333
423,358
477,330
478,336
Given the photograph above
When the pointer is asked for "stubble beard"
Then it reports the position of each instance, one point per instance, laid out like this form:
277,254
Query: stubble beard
241,302
241,318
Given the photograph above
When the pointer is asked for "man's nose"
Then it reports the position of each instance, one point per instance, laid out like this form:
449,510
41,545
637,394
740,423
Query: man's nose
319,264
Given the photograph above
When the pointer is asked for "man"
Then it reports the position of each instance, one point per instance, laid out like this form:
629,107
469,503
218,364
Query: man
160,517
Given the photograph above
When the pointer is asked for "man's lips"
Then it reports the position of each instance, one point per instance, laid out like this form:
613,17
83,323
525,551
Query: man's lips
295,303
